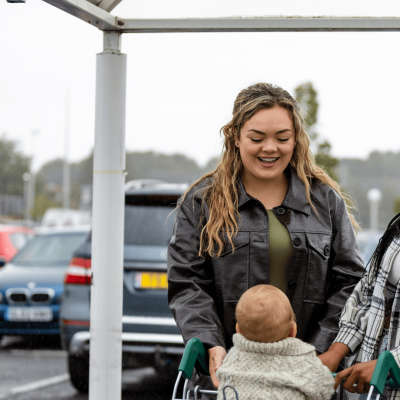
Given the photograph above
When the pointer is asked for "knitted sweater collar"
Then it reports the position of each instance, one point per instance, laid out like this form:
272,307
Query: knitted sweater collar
289,346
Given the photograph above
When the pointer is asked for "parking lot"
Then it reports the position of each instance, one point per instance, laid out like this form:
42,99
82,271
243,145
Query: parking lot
37,370
47,284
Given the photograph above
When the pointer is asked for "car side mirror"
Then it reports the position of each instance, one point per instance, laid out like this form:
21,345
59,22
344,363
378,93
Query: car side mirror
2,262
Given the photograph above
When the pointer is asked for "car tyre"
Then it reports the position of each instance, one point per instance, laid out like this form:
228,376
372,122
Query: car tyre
78,368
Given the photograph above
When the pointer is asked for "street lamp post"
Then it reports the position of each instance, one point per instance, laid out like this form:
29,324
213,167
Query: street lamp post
26,178
374,197
66,167
32,179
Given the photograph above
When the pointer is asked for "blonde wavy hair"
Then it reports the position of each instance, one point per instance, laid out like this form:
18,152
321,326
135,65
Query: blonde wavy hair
222,196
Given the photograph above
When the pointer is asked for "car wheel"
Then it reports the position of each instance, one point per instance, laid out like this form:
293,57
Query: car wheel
78,368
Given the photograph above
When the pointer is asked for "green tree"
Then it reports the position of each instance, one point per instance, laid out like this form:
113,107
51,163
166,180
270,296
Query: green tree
82,171
176,168
325,160
42,203
49,180
13,164
396,206
307,97
211,165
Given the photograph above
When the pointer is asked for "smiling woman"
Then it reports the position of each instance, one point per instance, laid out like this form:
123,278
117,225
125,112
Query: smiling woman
266,147
267,215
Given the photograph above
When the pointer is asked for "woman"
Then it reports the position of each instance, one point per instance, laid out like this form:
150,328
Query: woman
370,321
267,214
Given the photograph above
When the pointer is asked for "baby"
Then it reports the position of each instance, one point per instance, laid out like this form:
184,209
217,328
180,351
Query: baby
267,361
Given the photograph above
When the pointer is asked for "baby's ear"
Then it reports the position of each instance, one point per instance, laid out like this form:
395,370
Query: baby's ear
293,329
237,327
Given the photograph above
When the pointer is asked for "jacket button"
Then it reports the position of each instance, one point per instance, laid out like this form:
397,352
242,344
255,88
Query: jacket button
297,241
292,285
326,250
280,211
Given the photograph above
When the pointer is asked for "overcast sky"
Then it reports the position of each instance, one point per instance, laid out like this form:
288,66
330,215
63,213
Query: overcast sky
181,87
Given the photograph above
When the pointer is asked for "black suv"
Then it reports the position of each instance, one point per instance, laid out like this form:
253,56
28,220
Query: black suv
150,336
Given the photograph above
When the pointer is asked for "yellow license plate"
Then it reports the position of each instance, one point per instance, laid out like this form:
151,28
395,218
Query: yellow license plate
151,280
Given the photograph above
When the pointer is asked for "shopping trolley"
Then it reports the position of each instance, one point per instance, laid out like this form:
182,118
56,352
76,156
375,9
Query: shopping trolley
385,366
196,355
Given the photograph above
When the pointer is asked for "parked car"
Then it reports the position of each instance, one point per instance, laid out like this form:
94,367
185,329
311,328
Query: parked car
150,336
60,217
31,285
367,241
13,238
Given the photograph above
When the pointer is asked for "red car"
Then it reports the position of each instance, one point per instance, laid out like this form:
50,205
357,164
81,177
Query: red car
12,238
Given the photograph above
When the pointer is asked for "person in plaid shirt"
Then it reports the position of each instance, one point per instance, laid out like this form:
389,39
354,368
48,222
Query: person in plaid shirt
369,323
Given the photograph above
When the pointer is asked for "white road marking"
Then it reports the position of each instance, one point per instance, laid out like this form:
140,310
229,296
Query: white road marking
37,353
36,385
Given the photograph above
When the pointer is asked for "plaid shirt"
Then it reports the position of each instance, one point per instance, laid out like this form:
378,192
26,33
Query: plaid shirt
363,317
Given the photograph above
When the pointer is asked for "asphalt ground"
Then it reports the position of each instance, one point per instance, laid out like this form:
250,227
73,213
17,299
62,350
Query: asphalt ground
37,370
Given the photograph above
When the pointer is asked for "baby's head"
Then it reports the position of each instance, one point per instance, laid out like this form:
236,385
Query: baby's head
264,314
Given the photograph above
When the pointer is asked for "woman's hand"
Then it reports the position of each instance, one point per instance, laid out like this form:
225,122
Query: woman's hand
334,355
359,374
216,354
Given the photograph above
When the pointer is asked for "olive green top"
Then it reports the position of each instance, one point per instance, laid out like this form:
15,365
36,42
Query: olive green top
280,252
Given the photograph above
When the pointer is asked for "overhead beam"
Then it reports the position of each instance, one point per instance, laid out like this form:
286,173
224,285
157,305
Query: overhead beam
96,12
262,24
88,12
109,5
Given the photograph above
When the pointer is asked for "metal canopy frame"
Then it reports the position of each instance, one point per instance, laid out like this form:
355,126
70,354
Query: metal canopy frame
96,12
109,156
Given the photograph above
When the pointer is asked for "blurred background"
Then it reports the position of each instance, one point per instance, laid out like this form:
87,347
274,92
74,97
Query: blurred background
181,89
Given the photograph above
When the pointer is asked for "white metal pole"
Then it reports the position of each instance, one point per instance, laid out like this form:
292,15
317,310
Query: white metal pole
66,168
108,222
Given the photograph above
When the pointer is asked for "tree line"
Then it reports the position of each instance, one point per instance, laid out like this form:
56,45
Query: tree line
356,176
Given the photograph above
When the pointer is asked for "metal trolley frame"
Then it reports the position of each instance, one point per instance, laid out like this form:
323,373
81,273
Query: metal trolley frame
196,355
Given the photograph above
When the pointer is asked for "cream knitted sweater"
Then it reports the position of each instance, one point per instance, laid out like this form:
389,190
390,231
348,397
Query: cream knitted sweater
284,370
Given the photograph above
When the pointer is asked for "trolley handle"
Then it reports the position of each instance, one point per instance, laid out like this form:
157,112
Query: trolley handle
386,364
194,354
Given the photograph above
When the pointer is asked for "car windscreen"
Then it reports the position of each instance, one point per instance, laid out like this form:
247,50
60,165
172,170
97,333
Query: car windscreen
19,239
49,250
148,220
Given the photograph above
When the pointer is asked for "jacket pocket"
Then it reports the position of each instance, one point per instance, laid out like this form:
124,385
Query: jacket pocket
231,268
319,247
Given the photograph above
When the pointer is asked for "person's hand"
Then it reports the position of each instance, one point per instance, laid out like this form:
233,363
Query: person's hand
334,355
330,361
216,354
359,375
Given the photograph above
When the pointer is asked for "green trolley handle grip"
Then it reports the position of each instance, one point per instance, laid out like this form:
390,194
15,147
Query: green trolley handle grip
386,364
194,354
